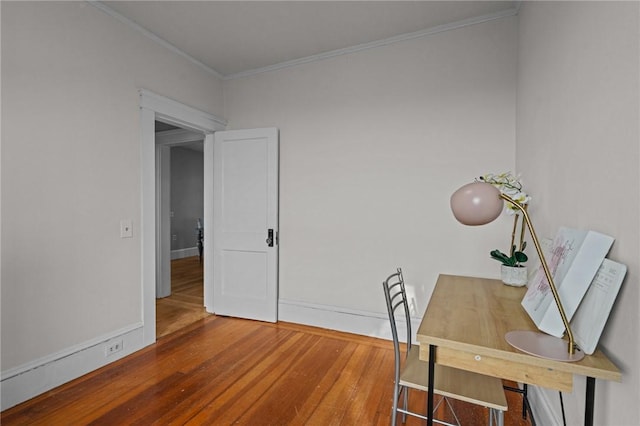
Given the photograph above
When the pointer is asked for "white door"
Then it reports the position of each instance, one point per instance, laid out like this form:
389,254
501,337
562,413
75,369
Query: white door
245,222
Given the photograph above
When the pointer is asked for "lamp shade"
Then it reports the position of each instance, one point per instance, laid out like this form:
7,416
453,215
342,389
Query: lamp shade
476,203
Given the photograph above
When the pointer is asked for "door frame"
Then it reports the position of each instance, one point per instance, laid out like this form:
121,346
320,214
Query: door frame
157,107
164,142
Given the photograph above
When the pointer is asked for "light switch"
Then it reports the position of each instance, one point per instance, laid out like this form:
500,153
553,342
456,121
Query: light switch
126,229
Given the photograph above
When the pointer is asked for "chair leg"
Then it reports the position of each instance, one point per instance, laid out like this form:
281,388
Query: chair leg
406,404
394,409
455,416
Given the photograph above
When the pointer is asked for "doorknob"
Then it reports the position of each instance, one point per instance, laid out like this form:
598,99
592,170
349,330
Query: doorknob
269,237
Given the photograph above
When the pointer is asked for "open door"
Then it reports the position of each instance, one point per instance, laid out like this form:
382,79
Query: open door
245,222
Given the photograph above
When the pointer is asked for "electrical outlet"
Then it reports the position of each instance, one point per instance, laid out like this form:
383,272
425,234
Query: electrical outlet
174,238
113,347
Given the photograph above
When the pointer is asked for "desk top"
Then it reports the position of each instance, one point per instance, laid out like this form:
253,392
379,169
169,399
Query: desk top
467,319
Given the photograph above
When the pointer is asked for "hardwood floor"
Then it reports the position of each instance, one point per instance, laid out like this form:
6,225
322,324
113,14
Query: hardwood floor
210,370
222,371
186,303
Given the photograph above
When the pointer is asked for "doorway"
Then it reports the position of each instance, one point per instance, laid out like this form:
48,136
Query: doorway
154,108
247,160
185,305
180,210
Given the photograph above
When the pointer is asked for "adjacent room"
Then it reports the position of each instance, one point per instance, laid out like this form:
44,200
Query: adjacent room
316,147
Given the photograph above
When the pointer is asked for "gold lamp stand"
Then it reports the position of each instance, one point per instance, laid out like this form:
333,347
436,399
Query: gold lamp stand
479,203
532,342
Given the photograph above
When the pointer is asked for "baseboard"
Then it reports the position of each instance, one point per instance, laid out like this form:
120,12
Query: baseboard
27,381
342,319
185,252
34,378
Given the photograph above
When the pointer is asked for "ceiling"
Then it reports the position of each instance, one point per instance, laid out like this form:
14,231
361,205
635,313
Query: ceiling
234,37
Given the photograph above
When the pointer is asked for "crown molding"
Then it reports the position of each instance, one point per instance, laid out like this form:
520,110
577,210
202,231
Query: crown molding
137,27
313,58
379,43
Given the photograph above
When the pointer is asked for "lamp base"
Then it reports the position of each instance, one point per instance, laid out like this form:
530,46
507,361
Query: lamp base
542,345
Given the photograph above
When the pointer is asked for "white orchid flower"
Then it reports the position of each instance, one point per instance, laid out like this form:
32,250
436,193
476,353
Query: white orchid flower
509,185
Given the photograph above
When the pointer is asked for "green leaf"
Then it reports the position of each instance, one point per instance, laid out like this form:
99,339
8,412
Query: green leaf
500,257
520,257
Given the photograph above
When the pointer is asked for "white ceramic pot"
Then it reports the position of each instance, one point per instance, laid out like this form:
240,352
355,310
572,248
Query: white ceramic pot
514,275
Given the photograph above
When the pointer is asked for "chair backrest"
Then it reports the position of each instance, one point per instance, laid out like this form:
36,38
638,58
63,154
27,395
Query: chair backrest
396,297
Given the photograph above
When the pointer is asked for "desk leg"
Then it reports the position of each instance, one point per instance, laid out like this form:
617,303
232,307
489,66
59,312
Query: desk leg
432,362
589,401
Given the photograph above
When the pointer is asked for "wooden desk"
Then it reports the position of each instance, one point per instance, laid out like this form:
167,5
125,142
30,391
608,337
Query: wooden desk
464,327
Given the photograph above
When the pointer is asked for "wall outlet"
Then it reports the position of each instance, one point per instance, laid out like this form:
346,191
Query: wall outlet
112,347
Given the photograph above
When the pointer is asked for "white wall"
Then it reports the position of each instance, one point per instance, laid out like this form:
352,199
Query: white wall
372,144
577,144
187,189
71,172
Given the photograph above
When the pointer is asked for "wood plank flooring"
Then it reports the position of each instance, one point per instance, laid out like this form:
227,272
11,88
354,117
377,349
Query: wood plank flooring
211,370
223,371
186,303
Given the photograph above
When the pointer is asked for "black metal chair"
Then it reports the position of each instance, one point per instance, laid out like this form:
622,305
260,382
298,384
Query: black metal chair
413,373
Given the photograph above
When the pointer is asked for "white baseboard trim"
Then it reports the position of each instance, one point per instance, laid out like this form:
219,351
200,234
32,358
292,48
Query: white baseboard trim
185,252
29,380
34,378
365,323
